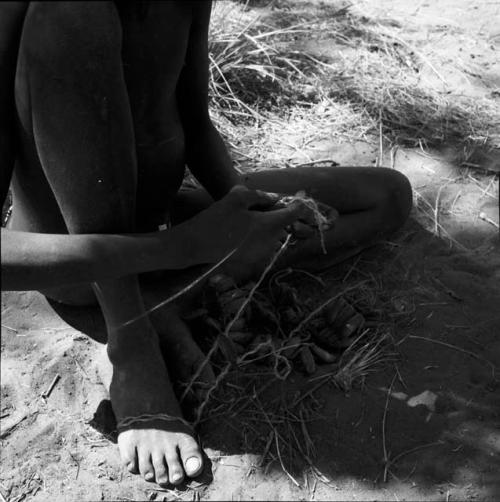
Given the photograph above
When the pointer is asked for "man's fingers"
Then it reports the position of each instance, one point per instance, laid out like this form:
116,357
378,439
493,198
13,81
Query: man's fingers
255,199
325,220
332,215
260,200
289,214
300,218
301,230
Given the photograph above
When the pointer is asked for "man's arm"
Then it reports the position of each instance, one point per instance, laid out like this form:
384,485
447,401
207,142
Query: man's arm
39,261
207,156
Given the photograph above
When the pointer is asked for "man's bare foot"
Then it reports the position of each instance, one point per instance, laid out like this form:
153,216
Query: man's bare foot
153,438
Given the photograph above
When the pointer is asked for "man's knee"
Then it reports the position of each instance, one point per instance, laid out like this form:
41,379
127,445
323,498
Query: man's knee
70,32
396,198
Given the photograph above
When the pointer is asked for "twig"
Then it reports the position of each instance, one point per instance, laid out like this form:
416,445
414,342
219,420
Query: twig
412,450
459,349
436,211
210,391
14,330
251,293
182,291
353,266
394,151
282,273
484,191
488,220
77,362
380,140
400,378
215,347
276,438
459,193
266,449
384,447
47,393
326,378
281,462
317,310
415,51
446,233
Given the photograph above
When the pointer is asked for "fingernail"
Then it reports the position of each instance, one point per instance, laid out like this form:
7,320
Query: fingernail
192,464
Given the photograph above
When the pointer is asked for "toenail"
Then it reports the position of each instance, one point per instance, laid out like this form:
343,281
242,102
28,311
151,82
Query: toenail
163,481
176,477
131,466
192,464
149,476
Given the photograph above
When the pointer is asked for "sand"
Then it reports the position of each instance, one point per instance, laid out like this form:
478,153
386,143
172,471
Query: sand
441,421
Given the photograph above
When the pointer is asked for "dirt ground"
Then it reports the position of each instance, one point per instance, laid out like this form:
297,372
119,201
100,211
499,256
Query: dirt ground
425,427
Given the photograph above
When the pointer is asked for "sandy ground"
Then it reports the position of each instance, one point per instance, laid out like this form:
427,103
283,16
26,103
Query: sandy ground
442,418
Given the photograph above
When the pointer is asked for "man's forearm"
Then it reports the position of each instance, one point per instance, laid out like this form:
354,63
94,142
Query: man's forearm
37,261
210,162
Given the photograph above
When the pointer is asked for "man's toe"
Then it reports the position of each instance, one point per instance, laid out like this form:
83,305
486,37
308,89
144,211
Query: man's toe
191,457
160,467
175,471
145,466
132,467
129,457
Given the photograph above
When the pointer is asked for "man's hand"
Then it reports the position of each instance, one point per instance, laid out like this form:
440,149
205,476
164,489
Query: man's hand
245,219
318,217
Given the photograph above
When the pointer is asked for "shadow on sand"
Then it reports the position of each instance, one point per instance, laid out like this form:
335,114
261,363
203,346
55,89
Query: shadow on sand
446,343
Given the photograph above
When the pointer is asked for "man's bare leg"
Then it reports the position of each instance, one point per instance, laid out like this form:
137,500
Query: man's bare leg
372,203
77,136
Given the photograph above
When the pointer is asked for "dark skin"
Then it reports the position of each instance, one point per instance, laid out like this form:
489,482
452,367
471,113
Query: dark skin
102,109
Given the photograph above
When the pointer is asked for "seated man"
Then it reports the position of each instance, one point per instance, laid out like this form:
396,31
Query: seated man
102,105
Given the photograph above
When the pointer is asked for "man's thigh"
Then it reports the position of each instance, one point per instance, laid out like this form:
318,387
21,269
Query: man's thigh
347,189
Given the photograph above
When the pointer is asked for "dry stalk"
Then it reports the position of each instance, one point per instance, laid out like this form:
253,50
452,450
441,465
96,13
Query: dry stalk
363,361
216,345
384,418
431,215
321,307
276,438
184,290
258,75
459,349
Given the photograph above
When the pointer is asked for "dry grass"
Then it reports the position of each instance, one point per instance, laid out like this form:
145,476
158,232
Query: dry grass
254,391
273,94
